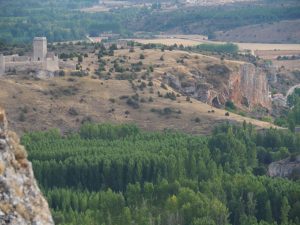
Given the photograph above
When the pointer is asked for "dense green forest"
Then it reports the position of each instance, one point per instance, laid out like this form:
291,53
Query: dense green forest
62,20
58,20
119,175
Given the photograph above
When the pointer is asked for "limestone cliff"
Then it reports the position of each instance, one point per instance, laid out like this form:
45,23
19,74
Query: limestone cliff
249,87
21,201
243,83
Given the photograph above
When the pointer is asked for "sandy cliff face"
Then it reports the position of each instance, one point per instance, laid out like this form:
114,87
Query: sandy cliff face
21,201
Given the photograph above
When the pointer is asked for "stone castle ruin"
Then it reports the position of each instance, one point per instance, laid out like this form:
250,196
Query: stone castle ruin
41,60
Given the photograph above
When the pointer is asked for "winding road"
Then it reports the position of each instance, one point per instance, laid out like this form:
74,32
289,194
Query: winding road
291,90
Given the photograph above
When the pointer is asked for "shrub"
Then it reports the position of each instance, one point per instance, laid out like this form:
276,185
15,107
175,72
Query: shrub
79,73
22,117
61,73
229,105
73,112
197,120
170,95
133,103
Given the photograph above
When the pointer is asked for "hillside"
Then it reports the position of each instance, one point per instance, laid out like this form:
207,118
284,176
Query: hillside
275,32
148,100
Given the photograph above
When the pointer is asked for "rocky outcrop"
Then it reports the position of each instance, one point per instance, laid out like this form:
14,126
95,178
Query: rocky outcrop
21,201
244,84
249,87
288,168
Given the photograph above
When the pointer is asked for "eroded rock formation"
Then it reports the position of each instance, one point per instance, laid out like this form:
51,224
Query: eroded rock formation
249,87
242,83
21,201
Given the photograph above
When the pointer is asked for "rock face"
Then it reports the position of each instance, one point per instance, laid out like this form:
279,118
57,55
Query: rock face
285,168
21,201
250,87
244,84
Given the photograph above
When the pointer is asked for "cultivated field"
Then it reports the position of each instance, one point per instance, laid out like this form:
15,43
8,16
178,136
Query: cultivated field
192,40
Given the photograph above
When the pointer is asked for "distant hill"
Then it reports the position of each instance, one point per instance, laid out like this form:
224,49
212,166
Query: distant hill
277,32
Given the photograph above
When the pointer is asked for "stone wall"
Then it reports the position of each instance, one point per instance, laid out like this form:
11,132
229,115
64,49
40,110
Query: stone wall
52,64
23,66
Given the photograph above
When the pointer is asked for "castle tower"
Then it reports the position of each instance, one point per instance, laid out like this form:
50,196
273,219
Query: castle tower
2,64
39,48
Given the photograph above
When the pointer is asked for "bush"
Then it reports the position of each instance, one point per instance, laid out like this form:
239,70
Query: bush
170,95
61,73
22,117
73,112
80,73
133,103
229,105
165,111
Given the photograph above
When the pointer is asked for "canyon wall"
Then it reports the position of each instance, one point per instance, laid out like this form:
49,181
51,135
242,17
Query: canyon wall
21,201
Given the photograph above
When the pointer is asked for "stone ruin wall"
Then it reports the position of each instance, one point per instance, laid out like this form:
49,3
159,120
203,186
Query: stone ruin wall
23,66
24,63
52,64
